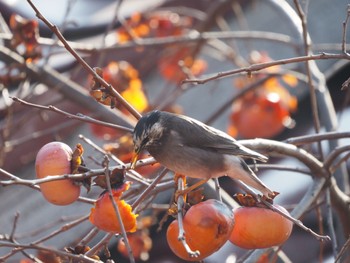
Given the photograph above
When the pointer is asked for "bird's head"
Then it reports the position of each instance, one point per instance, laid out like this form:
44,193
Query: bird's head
147,132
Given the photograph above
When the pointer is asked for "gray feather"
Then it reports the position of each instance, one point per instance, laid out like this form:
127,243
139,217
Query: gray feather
199,135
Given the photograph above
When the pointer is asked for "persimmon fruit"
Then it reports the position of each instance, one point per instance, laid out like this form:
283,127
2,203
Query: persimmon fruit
104,216
260,116
207,227
257,227
54,159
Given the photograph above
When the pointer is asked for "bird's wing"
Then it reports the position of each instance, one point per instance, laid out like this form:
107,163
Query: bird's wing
203,136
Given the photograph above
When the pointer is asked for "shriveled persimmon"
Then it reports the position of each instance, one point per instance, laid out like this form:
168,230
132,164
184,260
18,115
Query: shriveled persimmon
207,227
140,244
104,216
54,159
25,35
257,227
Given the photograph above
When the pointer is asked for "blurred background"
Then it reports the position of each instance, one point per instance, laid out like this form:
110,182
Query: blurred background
146,49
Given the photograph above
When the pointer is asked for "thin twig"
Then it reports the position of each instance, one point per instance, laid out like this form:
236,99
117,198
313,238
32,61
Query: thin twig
90,235
14,226
306,139
14,180
334,155
45,227
330,221
116,209
279,211
129,173
145,193
64,228
79,258
78,116
102,243
261,66
297,222
341,161
65,86
280,167
342,251
88,48
312,89
345,25
10,144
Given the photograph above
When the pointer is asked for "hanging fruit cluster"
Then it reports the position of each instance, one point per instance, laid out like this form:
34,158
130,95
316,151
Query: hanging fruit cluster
208,225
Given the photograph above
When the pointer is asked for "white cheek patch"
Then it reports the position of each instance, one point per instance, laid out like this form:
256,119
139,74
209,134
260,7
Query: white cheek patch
156,130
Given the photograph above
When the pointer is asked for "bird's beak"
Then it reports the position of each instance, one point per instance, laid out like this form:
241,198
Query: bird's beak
134,160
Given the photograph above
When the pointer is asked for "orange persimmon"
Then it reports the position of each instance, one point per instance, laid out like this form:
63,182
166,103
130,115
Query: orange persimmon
260,116
257,227
207,227
104,216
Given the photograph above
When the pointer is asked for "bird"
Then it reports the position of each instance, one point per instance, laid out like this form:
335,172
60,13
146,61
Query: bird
191,148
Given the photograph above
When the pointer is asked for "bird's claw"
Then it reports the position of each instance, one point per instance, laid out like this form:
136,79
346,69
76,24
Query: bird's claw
179,193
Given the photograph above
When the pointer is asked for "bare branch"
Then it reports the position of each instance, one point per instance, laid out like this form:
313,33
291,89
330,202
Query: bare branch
79,258
345,25
102,242
306,139
312,89
261,66
14,226
65,86
334,154
78,116
149,189
342,251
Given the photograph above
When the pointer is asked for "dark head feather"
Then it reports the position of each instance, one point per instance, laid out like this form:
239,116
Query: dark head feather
146,131
146,122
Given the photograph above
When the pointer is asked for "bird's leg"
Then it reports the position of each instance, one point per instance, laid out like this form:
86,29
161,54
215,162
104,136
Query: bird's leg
179,191
185,191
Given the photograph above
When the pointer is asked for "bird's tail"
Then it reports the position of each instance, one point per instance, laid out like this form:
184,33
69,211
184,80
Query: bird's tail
248,177
248,153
